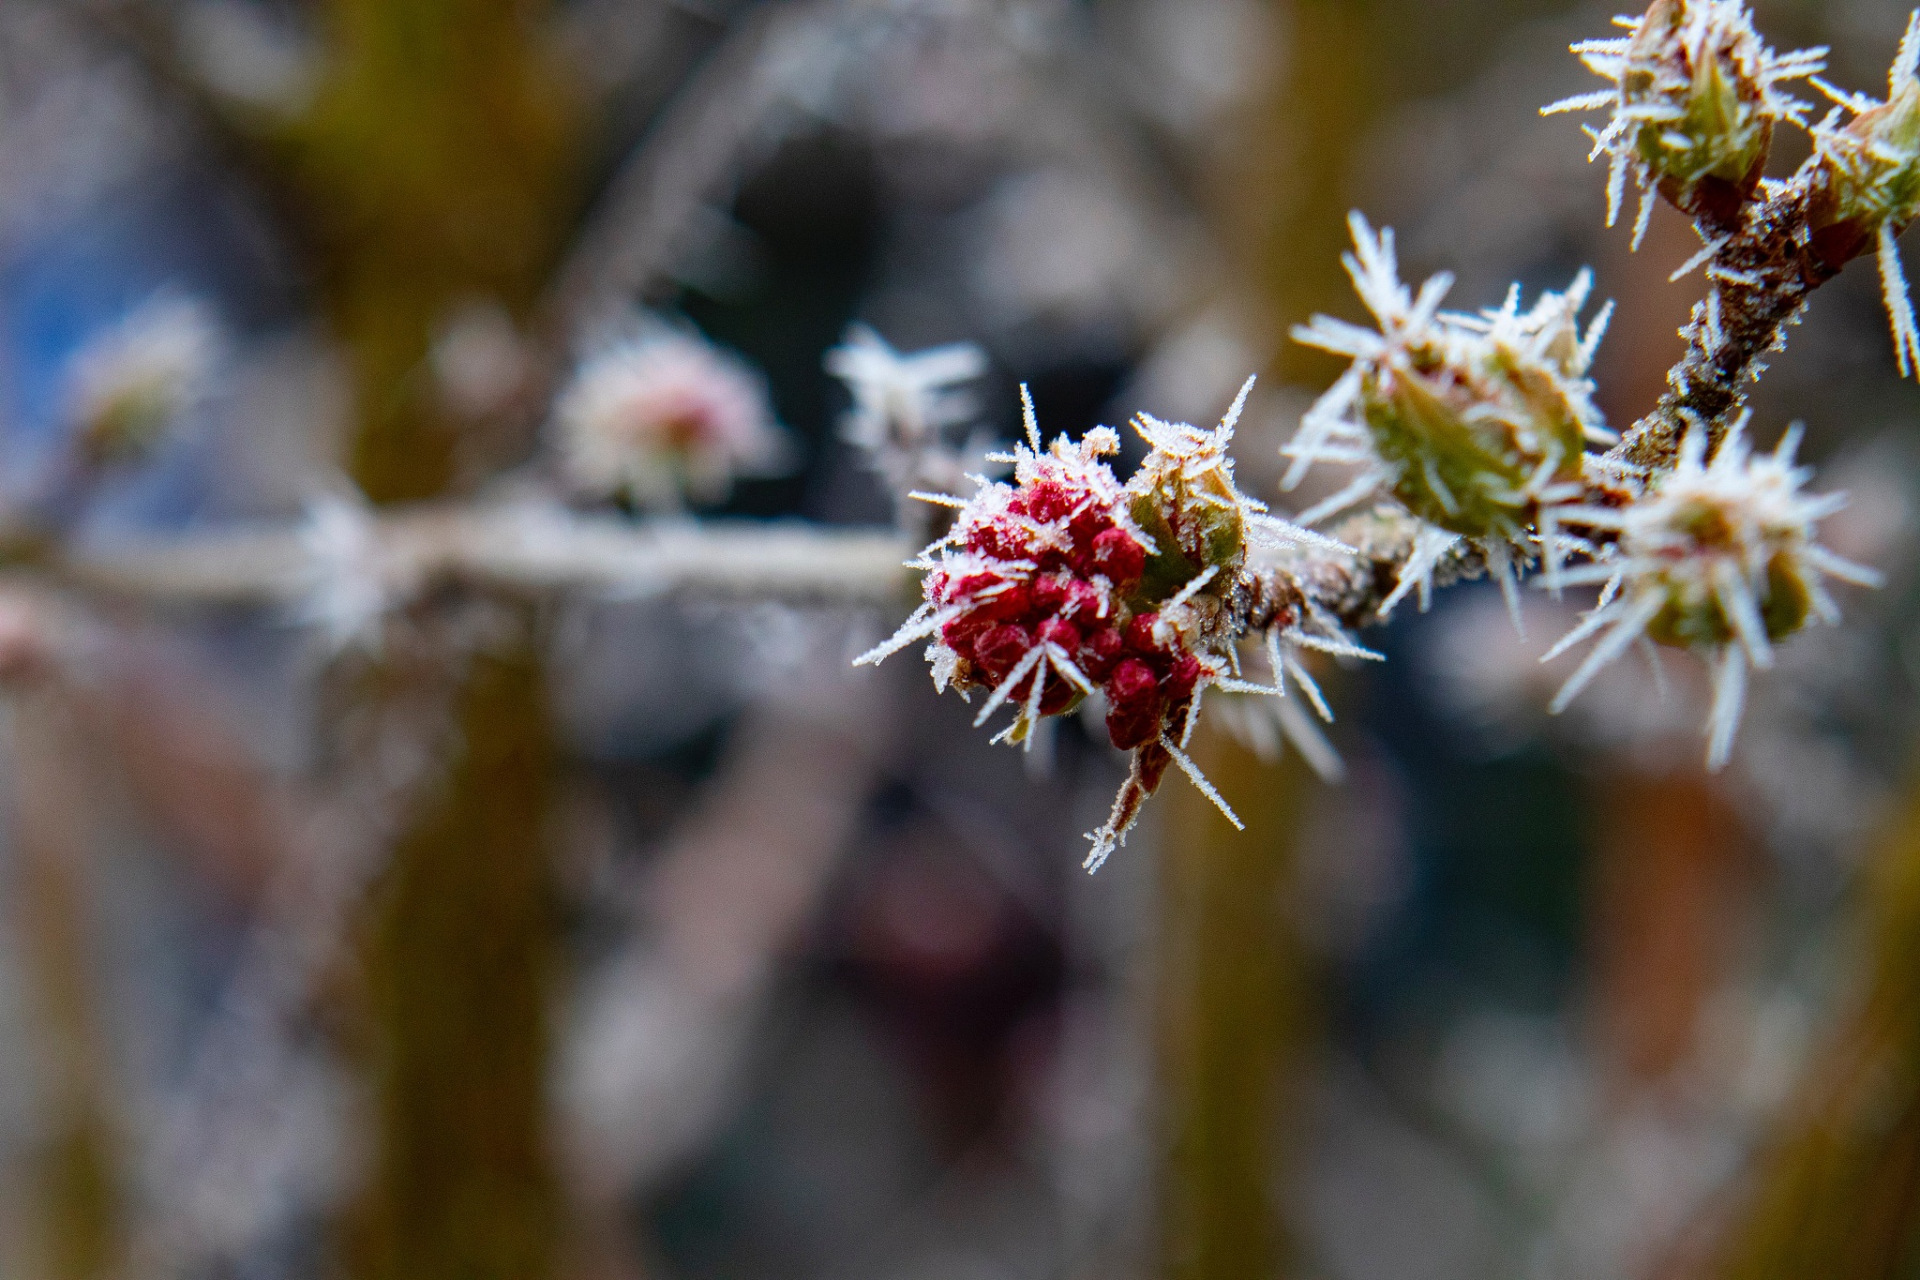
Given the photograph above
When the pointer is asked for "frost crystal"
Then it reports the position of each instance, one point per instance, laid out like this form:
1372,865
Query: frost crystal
1695,99
661,415
342,593
905,405
1718,557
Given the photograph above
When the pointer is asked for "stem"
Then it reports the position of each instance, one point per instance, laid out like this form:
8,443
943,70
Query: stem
1232,1018
79,1192
515,550
460,960
1760,278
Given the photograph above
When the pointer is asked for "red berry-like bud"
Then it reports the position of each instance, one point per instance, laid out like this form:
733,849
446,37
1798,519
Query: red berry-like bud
1015,602
1100,652
999,651
1084,602
1134,705
1185,675
1088,525
954,591
1117,555
1050,592
1044,501
999,540
1064,634
1132,681
1140,636
960,634
1057,696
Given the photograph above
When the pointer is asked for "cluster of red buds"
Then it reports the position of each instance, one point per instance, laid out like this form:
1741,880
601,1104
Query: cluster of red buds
1067,583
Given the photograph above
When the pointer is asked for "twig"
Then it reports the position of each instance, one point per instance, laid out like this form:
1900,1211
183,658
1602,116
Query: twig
1759,281
514,547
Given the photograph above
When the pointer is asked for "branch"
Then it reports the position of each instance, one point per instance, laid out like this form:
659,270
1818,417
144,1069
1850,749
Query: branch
1758,281
517,547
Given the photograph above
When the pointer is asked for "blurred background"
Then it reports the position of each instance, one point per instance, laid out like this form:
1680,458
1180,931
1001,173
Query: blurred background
609,934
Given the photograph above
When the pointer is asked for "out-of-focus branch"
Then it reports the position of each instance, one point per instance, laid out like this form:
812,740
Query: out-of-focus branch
684,166
656,1033
79,1174
516,548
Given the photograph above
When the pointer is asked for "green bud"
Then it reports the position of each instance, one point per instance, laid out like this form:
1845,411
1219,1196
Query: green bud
126,427
1192,527
1696,100
1467,447
1709,118
130,383
1184,499
1693,617
1869,177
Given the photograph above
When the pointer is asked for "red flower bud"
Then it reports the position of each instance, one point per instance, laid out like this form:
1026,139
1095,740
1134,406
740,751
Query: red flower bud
1051,592
964,630
1062,633
1015,602
1044,501
1057,696
1140,636
1084,602
1134,704
1185,675
1119,556
999,651
1100,652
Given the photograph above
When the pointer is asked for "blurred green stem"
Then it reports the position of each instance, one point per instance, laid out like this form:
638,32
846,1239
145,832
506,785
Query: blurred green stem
1233,999
1232,1012
459,960
76,1171
1837,1194
437,168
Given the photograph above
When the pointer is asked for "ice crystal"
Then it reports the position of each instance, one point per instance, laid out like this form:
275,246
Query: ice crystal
342,592
905,406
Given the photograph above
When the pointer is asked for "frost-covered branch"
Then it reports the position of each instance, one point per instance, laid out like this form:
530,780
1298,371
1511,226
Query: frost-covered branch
515,547
1475,438
1696,101
1478,444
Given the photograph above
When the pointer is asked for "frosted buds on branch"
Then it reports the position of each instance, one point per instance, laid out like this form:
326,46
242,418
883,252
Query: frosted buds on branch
1472,436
